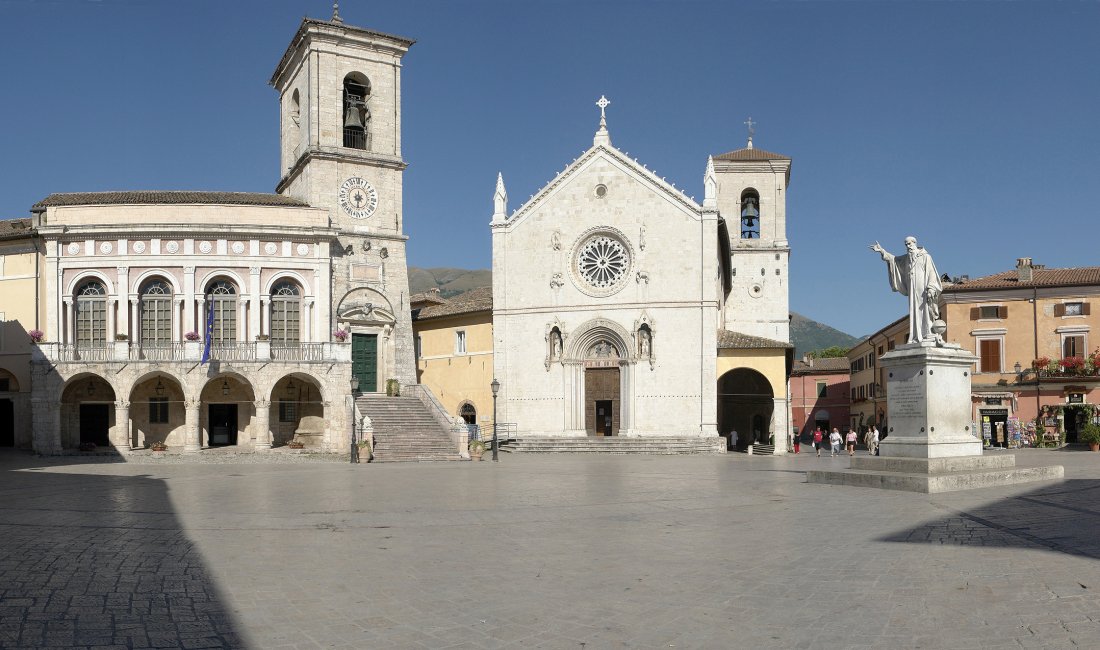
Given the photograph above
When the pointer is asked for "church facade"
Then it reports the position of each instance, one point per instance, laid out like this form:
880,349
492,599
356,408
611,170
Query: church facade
621,307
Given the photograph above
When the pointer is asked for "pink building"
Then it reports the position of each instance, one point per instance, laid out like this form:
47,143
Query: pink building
819,394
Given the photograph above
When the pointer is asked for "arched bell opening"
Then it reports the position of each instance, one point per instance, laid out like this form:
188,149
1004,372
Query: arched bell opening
226,412
157,412
87,411
297,411
745,406
356,115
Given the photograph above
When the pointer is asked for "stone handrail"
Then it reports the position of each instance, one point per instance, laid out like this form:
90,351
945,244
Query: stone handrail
445,420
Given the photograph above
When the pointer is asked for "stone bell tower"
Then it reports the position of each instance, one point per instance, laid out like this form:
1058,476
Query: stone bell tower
340,131
752,197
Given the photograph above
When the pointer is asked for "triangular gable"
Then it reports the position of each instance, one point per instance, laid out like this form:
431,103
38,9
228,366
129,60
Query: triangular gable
657,184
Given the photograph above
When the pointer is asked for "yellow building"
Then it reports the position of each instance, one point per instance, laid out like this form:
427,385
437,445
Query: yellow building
1031,328
868,386
454,351
747,405
21,289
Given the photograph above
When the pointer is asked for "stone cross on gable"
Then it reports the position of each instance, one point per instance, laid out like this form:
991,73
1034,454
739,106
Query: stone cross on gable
603,103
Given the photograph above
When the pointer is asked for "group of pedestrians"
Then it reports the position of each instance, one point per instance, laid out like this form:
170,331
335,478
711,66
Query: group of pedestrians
836,440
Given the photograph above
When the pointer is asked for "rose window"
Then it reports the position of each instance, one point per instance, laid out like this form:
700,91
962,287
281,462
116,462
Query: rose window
602,261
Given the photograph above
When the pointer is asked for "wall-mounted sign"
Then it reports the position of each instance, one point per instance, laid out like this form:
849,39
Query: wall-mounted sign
1076,398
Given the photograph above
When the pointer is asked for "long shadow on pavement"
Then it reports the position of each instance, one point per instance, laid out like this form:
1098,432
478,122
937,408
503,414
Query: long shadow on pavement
1063,517
93,560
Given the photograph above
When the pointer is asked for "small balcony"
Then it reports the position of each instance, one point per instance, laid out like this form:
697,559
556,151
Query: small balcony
192,351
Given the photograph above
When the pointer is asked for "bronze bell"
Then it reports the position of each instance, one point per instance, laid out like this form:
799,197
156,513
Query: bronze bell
352,118
749,210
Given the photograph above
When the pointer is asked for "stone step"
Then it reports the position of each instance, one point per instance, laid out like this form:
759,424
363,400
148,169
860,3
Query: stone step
406,431
615,445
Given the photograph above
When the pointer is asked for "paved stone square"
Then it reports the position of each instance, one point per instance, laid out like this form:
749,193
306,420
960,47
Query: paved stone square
540,551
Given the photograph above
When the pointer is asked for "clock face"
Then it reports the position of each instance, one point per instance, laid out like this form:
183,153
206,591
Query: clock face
358,198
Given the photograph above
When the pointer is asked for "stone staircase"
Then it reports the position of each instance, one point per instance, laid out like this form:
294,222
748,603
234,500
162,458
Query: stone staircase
617,445
405,430
763,450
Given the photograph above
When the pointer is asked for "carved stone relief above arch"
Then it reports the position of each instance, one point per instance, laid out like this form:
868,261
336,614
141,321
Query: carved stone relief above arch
365,305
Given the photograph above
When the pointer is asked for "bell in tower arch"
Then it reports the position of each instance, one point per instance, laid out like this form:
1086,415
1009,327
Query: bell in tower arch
353,118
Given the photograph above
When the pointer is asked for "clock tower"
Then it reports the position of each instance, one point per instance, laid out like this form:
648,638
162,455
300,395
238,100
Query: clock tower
340,132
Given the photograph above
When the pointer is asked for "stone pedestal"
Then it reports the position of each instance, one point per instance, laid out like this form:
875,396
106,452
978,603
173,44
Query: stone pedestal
930,446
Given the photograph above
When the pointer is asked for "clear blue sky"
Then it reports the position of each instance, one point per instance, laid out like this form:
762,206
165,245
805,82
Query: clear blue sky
972,125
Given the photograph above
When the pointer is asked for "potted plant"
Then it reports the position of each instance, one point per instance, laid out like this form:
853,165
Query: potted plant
192,336
1091,434
477,449
122,337
340,335
263,337
295,444
158,447
36,336
393,388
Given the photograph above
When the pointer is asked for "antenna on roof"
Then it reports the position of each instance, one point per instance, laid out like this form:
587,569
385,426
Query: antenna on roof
336,14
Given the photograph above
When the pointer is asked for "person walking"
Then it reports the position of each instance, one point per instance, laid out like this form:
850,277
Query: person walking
851,438
872,447
797,440
818,435
834,442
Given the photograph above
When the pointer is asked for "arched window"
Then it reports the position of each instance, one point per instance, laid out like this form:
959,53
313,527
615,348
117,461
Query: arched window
285,314
295,110
156,313
750,214
91,315
221,301
468,413
356,115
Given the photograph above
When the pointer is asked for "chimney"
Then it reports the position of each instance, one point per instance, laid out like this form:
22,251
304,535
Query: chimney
1024,269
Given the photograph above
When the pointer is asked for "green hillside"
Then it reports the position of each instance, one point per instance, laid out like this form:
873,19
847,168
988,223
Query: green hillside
809,335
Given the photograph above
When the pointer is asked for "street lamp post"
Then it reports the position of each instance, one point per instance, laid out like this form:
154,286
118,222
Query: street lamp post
496,387
353,456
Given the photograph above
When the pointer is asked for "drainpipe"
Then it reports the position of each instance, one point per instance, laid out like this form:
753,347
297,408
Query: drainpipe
37,270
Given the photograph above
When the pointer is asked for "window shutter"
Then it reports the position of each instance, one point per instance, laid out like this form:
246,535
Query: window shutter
991,356
975,313
1085,309
1060,309
1002,311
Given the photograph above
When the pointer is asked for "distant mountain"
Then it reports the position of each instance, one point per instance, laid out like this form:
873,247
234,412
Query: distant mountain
806,334
450,282
809,335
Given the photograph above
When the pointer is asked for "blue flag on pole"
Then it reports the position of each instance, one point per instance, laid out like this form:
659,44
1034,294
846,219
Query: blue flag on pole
209,332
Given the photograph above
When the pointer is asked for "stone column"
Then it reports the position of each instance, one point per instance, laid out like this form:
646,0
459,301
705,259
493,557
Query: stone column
307,321
191,424
120,433
263,424
112,318
179,319
189,302
252,292
67,330
122,325
46,425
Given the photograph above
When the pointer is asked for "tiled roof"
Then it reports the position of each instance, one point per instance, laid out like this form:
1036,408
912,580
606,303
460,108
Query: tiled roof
1084,275
362,30
427,297
738,341
750,154
160,197
474,300
829,365
15,228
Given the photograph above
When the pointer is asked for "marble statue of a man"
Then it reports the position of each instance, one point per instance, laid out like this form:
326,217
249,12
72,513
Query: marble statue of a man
914,275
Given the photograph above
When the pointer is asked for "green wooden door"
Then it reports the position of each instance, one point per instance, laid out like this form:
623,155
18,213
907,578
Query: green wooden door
364,361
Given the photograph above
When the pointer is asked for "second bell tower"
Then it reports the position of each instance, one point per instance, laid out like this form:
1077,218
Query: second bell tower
340,134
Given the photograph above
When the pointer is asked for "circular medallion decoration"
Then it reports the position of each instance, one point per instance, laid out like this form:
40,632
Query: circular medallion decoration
139,247
238,248
601,261
106,248
756,291
74,248
205,247
358,198
270,248
172,247
303,249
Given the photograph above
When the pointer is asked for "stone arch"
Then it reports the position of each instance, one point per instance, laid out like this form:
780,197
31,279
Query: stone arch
366,305
286,274
200,285
135,286
746,404
584,337
227,410
13,381
157,410
297,404
84,276
87,410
